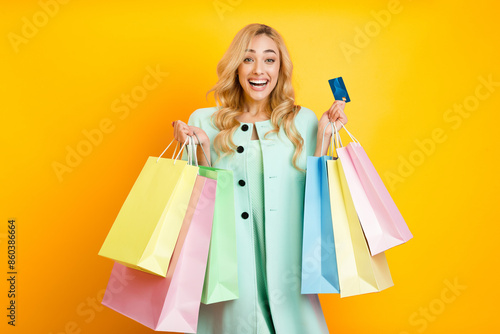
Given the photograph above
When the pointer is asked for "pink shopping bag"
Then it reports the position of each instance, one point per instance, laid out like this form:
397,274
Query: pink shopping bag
171,303
382,223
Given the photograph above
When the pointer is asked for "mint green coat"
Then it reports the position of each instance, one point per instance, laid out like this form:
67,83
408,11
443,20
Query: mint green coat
291,312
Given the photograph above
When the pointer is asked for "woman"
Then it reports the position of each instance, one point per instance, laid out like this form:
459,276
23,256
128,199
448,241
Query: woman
259,133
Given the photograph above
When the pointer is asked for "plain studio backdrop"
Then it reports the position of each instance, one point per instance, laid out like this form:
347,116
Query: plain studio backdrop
90,88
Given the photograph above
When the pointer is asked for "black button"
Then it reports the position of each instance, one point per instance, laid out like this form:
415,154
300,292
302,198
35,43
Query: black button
244,215
240,149
241,183
244,127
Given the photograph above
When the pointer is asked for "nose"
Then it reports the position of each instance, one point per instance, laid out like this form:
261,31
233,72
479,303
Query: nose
257,68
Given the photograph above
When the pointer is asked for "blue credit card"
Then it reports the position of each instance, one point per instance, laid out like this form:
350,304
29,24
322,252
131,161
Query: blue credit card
338,89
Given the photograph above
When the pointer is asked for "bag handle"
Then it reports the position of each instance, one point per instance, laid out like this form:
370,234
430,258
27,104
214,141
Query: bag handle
190,144
192,151
194,147
350,135
337,137
334,142
190,156
323,138
174,151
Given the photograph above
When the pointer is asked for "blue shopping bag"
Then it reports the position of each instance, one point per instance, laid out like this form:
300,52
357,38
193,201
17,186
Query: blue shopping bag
319,260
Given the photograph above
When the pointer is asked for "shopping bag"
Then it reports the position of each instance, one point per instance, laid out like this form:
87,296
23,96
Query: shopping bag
382,223
145,231
170,303
221,278
359,272
319,263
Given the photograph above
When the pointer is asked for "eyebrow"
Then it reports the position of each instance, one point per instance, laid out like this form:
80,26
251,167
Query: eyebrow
265,51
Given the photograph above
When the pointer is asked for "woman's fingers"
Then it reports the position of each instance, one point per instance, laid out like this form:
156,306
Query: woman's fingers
336,110
334,115
181,131
192,130
338,104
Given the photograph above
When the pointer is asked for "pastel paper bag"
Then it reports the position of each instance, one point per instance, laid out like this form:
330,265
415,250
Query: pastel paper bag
221,278
382,223
171,303
145,231
358,271
319,263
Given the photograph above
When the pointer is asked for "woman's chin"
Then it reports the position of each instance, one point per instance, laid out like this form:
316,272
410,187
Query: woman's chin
258,96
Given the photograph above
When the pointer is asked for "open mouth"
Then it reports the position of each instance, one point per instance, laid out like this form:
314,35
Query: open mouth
258,83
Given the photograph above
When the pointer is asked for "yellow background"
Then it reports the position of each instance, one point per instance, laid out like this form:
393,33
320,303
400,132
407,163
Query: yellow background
69,75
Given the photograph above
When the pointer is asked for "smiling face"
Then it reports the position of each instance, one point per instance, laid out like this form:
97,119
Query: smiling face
259,71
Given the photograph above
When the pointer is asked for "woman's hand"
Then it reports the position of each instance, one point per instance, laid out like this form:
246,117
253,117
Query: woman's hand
334,114
182,130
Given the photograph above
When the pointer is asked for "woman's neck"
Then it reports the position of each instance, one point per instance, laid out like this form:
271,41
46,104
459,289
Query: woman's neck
256,109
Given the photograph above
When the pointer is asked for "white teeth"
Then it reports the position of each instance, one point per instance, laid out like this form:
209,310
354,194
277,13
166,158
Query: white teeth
258,83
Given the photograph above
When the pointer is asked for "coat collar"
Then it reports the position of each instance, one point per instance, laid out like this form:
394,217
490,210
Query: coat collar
243,133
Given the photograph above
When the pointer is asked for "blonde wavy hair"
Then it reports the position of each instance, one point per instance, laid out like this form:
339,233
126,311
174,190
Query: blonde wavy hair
229,97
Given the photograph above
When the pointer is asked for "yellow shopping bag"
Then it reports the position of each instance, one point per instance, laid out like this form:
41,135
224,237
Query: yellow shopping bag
145,231
359,272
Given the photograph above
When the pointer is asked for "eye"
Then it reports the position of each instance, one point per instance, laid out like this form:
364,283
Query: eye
270,60
246,60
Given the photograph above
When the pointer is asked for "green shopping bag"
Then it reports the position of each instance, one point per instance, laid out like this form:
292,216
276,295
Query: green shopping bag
221,276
